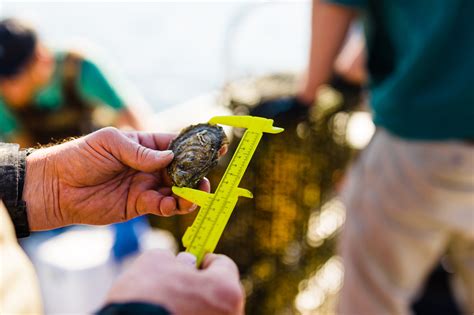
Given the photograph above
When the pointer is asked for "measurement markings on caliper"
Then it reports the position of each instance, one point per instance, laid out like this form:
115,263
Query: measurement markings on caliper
202,237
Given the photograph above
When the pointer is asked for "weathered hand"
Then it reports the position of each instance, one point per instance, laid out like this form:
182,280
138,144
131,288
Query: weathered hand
108,176
158,277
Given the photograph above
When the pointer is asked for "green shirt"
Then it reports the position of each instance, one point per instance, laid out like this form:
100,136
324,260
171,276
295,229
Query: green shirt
421,66
93,84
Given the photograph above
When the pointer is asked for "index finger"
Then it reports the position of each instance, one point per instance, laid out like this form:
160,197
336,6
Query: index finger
152,140
221,265
163,140
185,206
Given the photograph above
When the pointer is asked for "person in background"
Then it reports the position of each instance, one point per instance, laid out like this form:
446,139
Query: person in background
48,96
348,75
105,177
409,196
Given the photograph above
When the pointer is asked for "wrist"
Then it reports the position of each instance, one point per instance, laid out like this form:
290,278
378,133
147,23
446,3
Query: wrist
37,191
307,92
306,97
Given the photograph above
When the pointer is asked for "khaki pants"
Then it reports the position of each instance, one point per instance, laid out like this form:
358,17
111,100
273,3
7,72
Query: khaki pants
408,203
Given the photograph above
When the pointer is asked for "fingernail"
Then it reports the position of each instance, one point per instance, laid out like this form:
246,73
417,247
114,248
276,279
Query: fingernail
192,208
165,153
187,258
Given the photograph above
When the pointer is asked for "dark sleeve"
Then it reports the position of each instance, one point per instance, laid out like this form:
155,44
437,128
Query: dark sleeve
350,3
132,308
12,174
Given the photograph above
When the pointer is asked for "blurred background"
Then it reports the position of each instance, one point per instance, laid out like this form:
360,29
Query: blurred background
184,62
176,50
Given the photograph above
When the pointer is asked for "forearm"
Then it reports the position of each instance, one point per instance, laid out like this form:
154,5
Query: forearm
329,27
350,63
41,191
128,119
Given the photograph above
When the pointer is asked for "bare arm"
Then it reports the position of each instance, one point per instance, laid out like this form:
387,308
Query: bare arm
330,23
350,63
128,119
136,114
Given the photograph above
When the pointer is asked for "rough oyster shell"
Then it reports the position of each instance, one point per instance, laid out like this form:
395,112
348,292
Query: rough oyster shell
196,151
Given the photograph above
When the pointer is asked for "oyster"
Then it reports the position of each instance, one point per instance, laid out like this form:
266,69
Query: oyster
196,151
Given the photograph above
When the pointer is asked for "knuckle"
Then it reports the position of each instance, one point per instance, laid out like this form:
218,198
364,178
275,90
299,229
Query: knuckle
227,262
142,153
108,131
230,263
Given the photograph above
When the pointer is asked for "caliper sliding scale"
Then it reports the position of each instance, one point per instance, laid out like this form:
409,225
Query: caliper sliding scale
216,208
